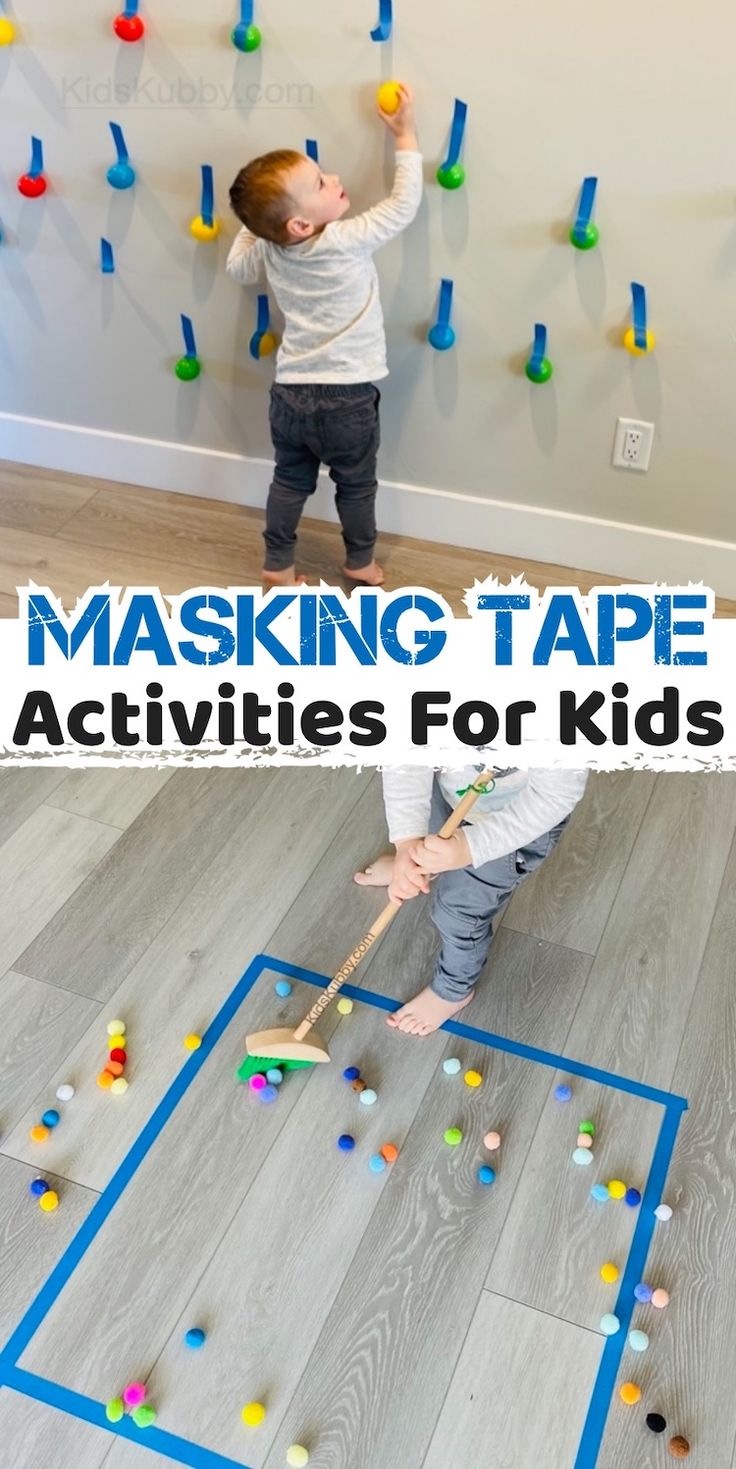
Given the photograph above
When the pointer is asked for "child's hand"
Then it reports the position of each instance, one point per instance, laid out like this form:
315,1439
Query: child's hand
401,122
408,880
442,854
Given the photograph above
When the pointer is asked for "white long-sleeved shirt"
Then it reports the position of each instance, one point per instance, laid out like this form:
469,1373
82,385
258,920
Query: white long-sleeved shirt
327,287
523,805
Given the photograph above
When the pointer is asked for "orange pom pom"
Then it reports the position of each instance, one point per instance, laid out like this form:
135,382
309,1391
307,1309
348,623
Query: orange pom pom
390,1152
115,1068
39,1133
105,1080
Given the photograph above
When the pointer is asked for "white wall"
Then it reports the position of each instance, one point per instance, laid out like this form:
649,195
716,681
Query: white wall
643,96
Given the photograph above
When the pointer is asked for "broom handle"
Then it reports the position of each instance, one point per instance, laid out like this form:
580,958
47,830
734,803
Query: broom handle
385,916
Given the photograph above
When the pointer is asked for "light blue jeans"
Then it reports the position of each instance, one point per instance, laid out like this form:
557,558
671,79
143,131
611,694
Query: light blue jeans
465,902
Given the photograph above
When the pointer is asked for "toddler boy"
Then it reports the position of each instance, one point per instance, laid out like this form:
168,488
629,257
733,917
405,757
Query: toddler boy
319,266
509,831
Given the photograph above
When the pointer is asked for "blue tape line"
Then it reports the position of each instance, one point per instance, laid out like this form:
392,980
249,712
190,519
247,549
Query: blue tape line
539,348
190,345
457,133
246,12
131,7
36,168
382,31
100,1211
595,1422
208,195
497,1042
639,314
107,259
585,207
312,149
75,1405
119,141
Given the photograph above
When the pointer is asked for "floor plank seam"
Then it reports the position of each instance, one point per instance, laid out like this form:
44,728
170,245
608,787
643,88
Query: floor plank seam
451,1377
541,939
552,1315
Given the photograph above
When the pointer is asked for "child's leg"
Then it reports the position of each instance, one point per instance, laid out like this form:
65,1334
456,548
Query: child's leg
295,478
350,432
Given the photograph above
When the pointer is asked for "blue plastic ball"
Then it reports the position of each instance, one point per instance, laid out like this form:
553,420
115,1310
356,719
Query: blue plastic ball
351,1073
268,1094
51,1118
38,1187
599,1191
643,1292
282,988
195,1337
377,1163
441,337
563,1093
275,1076
346,1143
632,1197
486,1174
121,176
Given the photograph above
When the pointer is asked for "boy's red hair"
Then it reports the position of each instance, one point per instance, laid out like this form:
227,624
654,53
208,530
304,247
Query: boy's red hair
259,198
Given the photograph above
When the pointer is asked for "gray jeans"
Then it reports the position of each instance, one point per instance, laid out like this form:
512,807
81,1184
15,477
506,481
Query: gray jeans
465,902
335,424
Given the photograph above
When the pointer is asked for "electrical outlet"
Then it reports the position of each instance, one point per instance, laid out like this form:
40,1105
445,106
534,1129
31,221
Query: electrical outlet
632,446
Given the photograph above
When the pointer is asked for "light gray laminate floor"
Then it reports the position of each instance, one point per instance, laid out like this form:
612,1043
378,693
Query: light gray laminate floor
408,1320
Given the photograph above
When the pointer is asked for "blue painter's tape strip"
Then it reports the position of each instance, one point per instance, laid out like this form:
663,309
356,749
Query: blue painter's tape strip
36,168
445,306
585,207
539,347
246,12
187,330
639,314
312,149
131,7
107,259
382,31
262,321
119,141
457,133
208,195
595,1422
100,1211
180,1450
497,1042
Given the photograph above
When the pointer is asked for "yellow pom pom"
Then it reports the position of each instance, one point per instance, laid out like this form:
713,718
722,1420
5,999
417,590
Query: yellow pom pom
117,1042
345,1006
119,1086
389,97
617,1189
105,1080
7,31
205,232
630,343
609,1273
48,1201
473,1078
39,1133
253,1414
192,1042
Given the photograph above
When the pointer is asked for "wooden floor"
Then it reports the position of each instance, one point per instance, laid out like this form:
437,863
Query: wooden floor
70,533
408,1321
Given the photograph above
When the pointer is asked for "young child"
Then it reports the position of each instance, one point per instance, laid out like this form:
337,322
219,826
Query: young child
324,405
509,831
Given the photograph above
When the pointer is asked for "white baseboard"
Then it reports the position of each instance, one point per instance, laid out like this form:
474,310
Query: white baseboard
629,552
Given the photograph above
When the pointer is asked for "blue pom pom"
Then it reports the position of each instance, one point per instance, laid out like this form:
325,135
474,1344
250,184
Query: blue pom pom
632,1197
51,1118
563,1093
267,1094
486,1174
38,1187
377,1163
282,988
599,1191
643,1292
346,1142
351,1073
275,1076
195,1337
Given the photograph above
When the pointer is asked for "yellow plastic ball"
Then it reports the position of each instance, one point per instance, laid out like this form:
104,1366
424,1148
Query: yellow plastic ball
119,1086
192,1042
48,1201
345,1006
205,232
609,1273
7,31
39,1133
630,1393
617,1189
473,1078
389,97
117,1042
253,1414
630,343
267,344
105,1080
116,1027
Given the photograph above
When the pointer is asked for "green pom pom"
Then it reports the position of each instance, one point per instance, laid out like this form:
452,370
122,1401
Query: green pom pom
453,1136
144,1416
115,1410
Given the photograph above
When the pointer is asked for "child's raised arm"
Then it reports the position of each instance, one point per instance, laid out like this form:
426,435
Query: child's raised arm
385,220
245,261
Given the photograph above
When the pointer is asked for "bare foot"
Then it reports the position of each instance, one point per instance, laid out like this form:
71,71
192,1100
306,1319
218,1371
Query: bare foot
370,576
286,578
378,875
426,1012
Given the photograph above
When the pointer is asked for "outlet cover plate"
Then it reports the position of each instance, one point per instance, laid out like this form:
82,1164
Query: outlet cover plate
621,451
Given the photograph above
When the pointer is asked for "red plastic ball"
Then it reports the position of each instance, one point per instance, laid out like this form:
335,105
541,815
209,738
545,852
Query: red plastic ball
30,187
119,1055
128,27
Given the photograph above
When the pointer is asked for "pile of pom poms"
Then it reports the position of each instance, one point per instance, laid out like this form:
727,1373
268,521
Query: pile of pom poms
112,1078
366,1093
49,1121
266,1088
48,1199
133,1401
583,1154
679,1446
616,1190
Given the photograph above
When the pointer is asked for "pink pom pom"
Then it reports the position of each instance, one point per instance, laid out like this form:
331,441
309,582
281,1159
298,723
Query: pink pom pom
257,1082
134,1395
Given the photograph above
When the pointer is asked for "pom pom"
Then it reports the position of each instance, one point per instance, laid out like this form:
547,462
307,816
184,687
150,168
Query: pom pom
65,1092
195,1337
660,1299
656,1422
49,1201
346,1143
609,1273
368,1097
563,1093
473,1078
282,988
453,1136
491,1141
610,1324
451,1066
134,1394
485,1174
253,1414
344,1006
630,1393
638,1341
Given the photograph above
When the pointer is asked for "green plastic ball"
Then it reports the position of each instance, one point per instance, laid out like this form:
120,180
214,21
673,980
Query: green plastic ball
452,177
590,237
187,369
246,38
542,374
